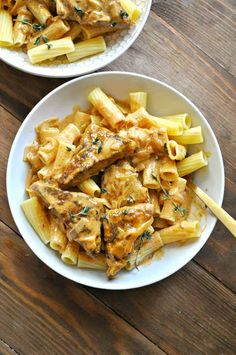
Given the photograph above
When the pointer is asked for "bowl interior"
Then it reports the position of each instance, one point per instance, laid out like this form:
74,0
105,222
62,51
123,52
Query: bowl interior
162,100
117,43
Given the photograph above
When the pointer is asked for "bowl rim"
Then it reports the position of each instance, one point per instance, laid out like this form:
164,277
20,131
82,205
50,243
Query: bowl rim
75,72
18,222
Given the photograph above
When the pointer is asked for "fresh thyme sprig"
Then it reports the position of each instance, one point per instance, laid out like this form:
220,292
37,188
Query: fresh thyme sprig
36,26
83,213
167,196
141,239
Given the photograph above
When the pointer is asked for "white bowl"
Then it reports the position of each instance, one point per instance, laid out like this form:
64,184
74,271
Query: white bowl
162,100
117,44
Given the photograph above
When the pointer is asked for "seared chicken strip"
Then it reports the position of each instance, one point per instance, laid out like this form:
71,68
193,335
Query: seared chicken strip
122,187
148,142
99,148
121,229
94,12
80,214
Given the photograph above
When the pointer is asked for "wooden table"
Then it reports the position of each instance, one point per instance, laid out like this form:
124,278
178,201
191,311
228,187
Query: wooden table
190,45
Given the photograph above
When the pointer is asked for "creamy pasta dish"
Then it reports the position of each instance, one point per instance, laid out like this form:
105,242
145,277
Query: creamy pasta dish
47,29
107,186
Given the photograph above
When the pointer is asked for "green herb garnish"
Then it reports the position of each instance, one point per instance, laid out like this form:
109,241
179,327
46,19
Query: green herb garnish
141,239
25,21
165,148
123,14
179,209
37,41
125,212
48,45
36,27
68,149
100,148
145,236
105,218
79,11
84,211
72,217
44,38
96,140
103,191
113,24
130,199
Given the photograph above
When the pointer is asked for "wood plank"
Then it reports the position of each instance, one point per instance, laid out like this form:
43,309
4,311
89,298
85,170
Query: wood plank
208,85
208,24
30,87
5,349
189,313
9,127
42,312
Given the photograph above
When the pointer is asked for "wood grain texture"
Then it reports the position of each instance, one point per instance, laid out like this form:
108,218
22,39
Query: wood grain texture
43,313
189,313
208,24
209,86
189,45
9,128
5,349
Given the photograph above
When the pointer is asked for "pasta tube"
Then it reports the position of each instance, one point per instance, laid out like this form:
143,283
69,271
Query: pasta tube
94,31
151,174
148,248
147,121
131,8
37,217
81,120
47,132
47,152
45,172
70,253
21,29
137,100
88,262
168,169
160,223
168,211
6,29
39,10
90,187
190,136
181,231
54,31
175,150
106,107
74,31
58,239
95,119
184,119
87,48
191,164
155,201
64,154
69,134
51,49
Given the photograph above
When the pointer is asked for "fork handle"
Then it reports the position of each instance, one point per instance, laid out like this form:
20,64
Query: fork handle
218,211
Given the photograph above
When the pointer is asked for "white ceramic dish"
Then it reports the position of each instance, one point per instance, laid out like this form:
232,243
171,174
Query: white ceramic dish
162,100
117,44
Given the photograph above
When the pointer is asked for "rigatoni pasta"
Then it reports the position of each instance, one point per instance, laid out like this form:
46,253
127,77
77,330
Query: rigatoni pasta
51,29
106,187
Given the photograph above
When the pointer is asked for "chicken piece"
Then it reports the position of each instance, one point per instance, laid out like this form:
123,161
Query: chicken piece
121,229
122,186
80,214
93,12
99,148
148,142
